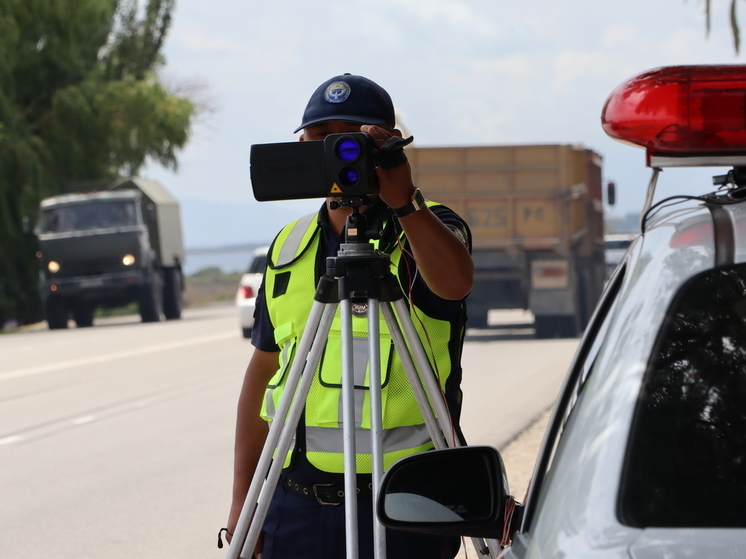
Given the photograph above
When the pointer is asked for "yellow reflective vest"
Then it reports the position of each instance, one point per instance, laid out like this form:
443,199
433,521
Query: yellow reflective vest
290,285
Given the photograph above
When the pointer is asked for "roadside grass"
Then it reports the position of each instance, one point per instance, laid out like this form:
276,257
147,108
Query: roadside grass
210,285
206,286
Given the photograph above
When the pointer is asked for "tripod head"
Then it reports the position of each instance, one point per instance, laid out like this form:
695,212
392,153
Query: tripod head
359,271
362,227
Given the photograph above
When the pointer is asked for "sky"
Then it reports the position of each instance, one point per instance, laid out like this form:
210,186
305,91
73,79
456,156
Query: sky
461,73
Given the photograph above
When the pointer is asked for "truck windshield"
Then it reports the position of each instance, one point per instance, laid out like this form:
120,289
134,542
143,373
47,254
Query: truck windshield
93,215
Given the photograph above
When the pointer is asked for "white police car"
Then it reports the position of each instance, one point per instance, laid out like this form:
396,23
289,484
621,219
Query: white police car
645,453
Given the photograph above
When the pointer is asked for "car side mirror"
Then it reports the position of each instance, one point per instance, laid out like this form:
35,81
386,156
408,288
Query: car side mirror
457,491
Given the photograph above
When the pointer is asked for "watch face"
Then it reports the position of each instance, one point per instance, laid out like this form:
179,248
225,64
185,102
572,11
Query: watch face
418,199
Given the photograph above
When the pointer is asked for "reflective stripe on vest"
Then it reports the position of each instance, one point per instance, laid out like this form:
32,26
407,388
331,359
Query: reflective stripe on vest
293,256
293,242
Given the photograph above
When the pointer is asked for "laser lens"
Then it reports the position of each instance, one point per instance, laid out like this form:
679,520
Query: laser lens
347,149
349,176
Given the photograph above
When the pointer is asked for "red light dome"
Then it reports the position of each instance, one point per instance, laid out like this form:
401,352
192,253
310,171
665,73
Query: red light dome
681,110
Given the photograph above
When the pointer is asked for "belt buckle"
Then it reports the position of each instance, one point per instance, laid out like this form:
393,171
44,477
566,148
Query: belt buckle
315,487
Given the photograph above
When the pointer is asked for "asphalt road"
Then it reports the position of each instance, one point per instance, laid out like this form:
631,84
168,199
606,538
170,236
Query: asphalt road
116,440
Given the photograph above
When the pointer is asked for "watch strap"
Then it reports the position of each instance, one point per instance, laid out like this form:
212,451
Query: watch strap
417,203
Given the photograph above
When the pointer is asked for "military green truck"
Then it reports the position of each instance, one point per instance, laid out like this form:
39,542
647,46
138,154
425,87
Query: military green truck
108,248
536,216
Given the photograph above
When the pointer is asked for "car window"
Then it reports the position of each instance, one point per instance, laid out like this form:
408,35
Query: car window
258,264
686,459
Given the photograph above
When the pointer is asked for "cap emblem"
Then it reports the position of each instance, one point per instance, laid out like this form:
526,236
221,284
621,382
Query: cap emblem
337,92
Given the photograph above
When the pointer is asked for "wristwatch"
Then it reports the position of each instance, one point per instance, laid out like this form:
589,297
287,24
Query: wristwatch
416,204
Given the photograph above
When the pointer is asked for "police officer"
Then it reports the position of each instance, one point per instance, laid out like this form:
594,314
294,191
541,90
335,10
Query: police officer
430,254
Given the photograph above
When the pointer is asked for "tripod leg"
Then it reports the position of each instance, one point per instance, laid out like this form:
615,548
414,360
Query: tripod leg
281,432
433,389
376,421
348,418
442,426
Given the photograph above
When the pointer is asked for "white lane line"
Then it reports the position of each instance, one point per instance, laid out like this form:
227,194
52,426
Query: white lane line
114,356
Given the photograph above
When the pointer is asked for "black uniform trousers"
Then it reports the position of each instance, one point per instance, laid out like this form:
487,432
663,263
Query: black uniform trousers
299,527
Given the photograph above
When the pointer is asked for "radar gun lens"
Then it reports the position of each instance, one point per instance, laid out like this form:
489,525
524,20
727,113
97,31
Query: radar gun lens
349,176
347,149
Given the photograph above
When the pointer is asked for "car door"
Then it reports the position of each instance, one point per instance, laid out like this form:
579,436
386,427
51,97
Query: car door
570,395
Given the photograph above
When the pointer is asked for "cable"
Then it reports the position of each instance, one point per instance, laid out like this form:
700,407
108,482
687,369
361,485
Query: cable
706,198
666,203
415,312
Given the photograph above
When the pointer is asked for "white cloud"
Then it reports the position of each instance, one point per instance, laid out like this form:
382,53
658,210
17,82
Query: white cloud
193,37
460,72
619,36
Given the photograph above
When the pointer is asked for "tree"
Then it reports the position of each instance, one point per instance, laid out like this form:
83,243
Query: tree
80,99
733,22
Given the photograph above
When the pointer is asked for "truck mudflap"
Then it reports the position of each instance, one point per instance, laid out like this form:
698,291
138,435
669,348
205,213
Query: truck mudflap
553,298
551,274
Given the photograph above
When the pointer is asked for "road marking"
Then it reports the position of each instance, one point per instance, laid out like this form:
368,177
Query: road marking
30,371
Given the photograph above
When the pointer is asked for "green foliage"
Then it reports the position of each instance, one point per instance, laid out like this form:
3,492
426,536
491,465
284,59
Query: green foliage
214,275
79,100
733,15
210,285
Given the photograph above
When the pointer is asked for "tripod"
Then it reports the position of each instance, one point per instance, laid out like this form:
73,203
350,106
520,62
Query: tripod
361,274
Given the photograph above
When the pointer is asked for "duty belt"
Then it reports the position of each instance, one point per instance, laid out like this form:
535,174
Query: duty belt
332,494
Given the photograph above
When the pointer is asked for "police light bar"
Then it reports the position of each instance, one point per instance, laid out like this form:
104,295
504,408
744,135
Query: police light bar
682,115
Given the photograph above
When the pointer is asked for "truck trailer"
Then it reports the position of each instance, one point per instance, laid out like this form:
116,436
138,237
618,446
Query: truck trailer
536,217
110,247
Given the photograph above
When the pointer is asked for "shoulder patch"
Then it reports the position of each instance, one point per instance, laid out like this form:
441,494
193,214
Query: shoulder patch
459,233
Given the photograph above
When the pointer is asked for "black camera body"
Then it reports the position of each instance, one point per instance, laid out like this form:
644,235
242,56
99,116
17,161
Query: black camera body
339,166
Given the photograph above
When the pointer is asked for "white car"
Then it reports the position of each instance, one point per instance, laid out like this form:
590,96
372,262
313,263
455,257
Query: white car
644,456
248,288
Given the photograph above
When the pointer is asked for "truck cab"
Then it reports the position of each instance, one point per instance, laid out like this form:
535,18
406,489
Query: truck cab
108,249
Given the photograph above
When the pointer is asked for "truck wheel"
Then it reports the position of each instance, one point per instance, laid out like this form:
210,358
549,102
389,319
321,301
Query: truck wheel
477,318
56,313
151,300
551,326
173,300
83,313
544,327
567,326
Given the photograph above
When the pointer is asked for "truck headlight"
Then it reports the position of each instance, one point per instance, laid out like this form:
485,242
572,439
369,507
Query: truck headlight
53,267
128,260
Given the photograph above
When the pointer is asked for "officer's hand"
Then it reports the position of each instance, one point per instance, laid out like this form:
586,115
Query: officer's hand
395,184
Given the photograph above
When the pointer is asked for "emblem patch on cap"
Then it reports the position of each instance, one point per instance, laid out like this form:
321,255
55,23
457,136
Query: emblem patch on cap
338,92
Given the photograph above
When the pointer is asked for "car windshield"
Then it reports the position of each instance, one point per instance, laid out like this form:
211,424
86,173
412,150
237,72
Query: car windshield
93,215
686,461
258,264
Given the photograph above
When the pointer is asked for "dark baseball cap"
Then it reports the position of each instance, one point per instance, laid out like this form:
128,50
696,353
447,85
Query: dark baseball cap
352,98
